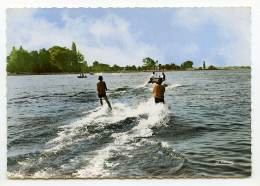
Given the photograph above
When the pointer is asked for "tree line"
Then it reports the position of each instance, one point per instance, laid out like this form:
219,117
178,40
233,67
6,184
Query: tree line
149,63
55,59
62,59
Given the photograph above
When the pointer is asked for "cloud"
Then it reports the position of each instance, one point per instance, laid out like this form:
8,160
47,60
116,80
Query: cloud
110,25
191,49
107,40
235,27
23,29
189,18
198,34
231,27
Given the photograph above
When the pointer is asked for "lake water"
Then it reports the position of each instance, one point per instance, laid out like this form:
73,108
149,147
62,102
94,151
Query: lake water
57,128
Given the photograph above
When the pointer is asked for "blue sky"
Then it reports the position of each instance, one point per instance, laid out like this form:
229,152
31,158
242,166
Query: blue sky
124,36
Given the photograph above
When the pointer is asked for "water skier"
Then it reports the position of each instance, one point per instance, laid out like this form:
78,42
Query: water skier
101,91
158,92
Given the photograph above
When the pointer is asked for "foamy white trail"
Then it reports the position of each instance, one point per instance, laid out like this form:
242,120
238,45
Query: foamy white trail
143,85
158,115
117,74
150,86
173,86
100,116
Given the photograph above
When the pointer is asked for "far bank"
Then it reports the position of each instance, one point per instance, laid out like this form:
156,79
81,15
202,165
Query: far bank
128,71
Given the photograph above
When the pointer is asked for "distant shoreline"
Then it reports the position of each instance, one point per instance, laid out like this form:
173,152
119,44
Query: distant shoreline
127,71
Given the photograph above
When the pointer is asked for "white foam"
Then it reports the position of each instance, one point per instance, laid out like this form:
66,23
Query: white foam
143,85
23,163
95,165
165,144
99,117
46,173
117,74
117,92
68,132
157,116
171,87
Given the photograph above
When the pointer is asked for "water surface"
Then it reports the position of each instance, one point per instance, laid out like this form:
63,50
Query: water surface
57,128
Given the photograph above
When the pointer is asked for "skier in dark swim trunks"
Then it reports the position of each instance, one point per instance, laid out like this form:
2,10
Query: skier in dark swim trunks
101,91
158,92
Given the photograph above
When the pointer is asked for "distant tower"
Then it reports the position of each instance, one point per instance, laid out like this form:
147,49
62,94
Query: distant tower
204,65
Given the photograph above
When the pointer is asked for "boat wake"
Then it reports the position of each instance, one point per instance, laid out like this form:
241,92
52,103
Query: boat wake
102,117
172,87
107,143
167,86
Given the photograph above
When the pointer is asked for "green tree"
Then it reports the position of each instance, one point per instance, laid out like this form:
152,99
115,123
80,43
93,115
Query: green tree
128,67
134,67
173,66
55,59
116,67
59,57
139,68
166,66
74,47
84,66
80,59
24,60
211,67
44,64
12,62
76,59
104,67
19,61
186,65
95,66
148,63
34,57
74,66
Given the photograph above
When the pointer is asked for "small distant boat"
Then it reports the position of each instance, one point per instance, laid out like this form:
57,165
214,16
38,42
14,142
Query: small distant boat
91,73
156,70
82,76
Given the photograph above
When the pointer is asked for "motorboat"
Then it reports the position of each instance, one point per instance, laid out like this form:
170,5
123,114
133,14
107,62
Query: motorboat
82,76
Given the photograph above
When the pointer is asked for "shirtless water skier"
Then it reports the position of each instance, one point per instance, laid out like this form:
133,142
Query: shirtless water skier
101,91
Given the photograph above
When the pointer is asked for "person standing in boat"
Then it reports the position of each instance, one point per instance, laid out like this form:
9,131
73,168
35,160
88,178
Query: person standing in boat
163,76
152,76
101,91
158,92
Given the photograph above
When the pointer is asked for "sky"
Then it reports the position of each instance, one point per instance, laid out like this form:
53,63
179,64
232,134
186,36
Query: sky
125,36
